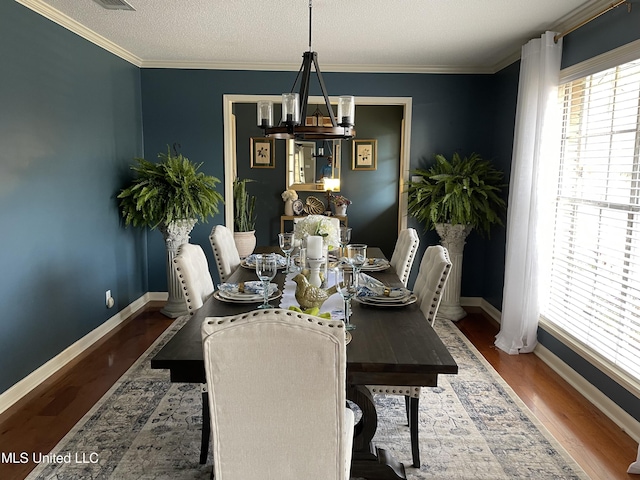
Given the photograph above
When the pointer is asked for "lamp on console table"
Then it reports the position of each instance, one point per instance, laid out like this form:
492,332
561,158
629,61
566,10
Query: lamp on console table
330,185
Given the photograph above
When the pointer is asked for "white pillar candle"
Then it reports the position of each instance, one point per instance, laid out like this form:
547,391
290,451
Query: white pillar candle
314,246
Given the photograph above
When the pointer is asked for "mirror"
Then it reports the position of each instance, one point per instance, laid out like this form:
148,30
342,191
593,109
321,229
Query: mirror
308,162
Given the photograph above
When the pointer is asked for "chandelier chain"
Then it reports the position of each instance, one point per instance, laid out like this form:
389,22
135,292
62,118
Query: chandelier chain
310,9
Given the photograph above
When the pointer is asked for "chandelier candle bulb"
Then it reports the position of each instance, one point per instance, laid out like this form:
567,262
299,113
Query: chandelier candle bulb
346,110
291,108
314,246
265,114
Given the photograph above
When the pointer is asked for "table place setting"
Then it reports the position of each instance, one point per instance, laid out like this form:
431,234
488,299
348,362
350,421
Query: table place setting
246,292
373,292
250,261
375,265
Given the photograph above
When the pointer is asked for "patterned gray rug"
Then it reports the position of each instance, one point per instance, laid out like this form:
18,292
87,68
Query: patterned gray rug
472,426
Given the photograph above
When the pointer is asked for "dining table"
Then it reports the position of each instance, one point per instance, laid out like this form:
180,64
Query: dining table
389,346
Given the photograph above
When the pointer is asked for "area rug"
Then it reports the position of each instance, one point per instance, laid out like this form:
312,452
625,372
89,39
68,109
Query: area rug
472,426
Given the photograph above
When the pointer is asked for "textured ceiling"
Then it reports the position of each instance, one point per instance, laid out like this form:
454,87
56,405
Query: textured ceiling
349,35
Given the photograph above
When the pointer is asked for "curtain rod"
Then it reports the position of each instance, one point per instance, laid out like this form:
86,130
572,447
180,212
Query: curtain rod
593,17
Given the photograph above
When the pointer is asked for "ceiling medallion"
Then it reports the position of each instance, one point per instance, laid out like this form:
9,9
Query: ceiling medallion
294,107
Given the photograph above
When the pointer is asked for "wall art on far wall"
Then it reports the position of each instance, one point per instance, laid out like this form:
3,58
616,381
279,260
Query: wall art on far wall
365,155
263,152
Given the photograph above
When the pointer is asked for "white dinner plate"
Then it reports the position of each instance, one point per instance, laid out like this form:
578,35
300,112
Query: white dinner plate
376,302
238,298
374,265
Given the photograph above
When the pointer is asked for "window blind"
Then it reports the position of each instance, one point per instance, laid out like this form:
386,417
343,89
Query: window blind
595,255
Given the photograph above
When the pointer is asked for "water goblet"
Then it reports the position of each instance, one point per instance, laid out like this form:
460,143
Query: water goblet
266,269
346,285
287,244
356,256
345,238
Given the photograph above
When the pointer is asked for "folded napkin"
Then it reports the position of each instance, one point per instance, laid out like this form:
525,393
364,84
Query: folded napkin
253,287
280,260
371,287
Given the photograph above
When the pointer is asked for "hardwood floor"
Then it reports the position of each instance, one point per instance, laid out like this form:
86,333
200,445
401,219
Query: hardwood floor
39,421
601,448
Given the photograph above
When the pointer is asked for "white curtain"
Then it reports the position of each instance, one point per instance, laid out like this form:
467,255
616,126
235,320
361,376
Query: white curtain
533,148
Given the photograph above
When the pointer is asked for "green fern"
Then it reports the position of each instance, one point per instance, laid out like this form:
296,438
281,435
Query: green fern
169,190
464,191
243,206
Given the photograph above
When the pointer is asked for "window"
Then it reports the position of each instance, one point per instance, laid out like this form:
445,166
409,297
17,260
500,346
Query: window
594,285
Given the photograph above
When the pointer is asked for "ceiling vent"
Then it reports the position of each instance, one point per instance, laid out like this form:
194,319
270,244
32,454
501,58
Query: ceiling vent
114,4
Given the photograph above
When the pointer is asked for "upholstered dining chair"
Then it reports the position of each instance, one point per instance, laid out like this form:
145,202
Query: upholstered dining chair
404,253
277,396
429,285
224,251
192,271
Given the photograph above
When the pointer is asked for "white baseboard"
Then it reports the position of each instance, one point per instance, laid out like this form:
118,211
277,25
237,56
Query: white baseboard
13,394
603,403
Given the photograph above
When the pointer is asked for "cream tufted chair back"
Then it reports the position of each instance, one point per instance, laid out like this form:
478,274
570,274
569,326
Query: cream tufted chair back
404,253
293,424
192,270
224,251
431,280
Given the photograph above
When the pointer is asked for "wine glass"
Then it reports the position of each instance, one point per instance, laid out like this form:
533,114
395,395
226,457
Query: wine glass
356,256
346,285
345,238
266,269
287,244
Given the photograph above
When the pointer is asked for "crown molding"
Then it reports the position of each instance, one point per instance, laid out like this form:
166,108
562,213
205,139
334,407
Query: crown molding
38,6
338,68
72,25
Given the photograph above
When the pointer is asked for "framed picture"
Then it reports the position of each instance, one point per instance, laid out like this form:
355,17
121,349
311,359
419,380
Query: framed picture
263,152
365,155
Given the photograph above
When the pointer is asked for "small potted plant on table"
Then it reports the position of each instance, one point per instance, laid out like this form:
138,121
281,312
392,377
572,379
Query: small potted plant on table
340,204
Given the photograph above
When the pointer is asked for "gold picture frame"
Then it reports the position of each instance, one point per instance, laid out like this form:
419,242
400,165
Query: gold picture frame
365,155
263,152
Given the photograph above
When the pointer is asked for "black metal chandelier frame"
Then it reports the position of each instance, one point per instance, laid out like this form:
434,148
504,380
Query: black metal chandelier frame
297,129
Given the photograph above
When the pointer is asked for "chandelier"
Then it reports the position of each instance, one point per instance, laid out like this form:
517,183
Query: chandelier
294,108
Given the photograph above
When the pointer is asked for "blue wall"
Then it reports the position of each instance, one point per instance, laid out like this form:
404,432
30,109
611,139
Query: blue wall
450,112
70,123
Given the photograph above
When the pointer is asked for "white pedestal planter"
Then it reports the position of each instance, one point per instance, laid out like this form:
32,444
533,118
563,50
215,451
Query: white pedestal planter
452,237
175,234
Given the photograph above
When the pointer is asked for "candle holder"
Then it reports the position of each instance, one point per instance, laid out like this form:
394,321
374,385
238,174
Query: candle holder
314,270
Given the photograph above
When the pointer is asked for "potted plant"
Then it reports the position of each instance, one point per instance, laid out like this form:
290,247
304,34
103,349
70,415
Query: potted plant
340,204
453,197
244,222
171,195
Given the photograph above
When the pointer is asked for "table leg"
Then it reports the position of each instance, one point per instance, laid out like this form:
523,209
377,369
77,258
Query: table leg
206,427
367,461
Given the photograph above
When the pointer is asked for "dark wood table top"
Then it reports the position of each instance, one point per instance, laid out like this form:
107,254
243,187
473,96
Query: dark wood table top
390,346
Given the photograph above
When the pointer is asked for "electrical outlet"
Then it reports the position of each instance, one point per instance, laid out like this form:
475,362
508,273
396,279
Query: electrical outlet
109,302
